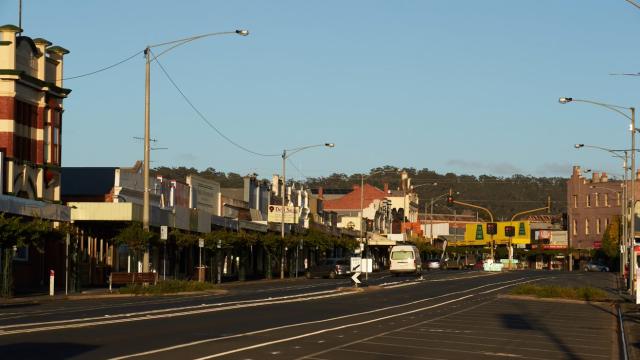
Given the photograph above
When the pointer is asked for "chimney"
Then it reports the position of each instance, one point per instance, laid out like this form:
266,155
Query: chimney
595,178
386,188
320,192
275,185
604,177
8,48
41,44
576,171
57,54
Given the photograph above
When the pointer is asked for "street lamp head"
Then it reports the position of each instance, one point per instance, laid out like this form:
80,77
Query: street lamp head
564,100
330,145
578,146
242,32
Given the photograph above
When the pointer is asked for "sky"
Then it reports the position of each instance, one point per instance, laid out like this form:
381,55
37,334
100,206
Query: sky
468,87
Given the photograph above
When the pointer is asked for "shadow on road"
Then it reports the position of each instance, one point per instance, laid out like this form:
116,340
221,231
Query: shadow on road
44,350
524,320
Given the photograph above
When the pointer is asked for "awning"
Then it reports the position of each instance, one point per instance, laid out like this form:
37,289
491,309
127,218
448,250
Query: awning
34,208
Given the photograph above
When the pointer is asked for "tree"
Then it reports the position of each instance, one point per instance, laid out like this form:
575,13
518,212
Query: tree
611,238
135,238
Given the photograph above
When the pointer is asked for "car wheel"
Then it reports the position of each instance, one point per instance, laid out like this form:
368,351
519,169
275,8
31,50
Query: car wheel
332,274
308,275
586,269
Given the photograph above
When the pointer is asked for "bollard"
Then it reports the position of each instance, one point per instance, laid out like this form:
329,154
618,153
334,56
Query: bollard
52,277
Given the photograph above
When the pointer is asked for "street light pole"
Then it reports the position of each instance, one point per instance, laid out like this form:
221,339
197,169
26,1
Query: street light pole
286,153
284,189
625,200
147,122
632,118
147,146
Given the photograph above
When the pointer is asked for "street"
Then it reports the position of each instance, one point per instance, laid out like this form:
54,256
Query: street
444,315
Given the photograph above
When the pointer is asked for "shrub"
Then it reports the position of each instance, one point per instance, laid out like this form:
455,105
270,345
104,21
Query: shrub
167,287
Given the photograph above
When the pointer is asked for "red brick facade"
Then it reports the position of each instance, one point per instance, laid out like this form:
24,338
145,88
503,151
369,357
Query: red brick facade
592,204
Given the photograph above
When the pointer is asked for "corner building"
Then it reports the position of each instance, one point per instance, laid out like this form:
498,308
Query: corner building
31,97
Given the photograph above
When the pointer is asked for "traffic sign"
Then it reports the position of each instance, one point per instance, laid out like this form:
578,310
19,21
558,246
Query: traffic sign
164,232
201,243
355,278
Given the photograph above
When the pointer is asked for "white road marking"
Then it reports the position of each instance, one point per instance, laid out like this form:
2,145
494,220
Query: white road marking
199,342
161,316
326,330
158,311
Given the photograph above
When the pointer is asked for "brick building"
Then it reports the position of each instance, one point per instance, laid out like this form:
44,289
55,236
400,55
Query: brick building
592,204
31,96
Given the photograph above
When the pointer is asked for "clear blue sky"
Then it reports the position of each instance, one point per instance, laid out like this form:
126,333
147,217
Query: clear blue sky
454,86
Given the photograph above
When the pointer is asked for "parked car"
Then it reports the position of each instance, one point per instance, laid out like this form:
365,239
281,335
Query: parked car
433,264
405,259
455,263
331,268
593,266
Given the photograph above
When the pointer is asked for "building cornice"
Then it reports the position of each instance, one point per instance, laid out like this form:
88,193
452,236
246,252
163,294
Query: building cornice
35,82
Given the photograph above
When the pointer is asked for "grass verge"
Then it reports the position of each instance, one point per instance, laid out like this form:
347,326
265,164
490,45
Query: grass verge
167,287
586,293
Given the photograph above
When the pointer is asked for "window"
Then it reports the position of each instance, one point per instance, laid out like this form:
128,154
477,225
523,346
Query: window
618,198
588,200
586,226
402,255
606,200
596,196
597,226
575,201
574,228
606,223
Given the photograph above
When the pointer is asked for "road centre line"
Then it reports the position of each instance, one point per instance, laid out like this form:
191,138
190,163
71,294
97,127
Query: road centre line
199,342
163,316
341,347
530,350
201,306
328,330
410,326
131,316
467,335
395,283
481,344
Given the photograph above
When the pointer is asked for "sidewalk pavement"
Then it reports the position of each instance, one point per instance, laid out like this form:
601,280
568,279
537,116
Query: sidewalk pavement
630,314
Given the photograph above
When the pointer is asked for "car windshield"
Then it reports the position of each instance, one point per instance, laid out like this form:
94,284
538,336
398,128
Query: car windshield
401,255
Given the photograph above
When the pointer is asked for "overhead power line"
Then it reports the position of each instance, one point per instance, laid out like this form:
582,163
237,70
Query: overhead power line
204,118
104,68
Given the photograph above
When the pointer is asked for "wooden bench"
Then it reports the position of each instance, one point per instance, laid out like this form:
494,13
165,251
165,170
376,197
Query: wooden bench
124,278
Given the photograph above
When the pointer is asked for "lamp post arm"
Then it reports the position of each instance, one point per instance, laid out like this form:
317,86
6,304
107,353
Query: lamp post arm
614,152
290,152
529,211
633,3
191,38
474,206
611,107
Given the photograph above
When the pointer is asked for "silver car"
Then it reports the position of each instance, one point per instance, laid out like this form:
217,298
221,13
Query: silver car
592,266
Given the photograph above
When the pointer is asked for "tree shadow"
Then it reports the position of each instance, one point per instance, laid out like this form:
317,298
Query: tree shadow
525,321
44,350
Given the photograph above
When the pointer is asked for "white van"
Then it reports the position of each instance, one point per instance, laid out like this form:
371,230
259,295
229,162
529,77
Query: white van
405,259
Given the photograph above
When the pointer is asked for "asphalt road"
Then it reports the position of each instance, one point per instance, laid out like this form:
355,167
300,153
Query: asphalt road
444,315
